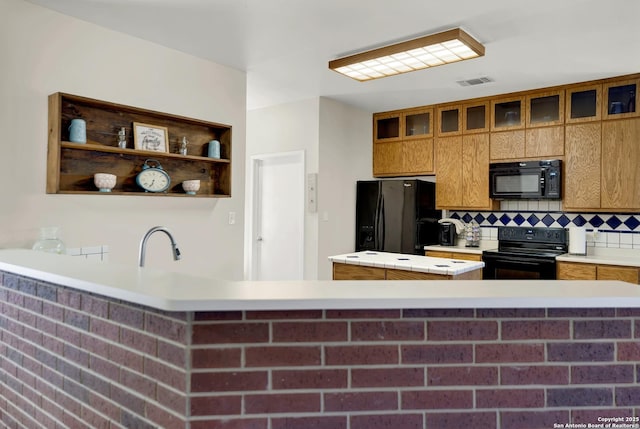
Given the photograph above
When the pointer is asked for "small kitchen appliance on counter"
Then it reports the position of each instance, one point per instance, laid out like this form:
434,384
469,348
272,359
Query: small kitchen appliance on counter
448,231
525,253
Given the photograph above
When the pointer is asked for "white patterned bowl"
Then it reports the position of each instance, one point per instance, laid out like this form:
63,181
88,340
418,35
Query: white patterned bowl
191,186
104,181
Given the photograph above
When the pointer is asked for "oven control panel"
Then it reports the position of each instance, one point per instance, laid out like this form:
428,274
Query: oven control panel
537,235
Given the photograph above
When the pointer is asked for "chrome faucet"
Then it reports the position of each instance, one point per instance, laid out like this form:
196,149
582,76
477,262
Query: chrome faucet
143,244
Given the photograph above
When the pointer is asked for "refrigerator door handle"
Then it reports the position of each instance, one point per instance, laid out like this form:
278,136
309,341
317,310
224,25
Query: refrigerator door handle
376,219
380,225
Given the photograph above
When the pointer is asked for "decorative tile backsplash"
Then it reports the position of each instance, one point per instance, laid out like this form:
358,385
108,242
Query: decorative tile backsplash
613,230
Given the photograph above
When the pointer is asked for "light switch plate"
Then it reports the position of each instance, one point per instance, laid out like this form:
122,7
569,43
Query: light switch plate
312,192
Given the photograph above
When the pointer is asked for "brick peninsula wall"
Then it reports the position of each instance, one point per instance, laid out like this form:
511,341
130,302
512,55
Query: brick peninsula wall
71,359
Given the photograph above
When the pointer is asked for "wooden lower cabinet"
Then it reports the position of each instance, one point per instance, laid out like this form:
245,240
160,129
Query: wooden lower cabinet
361,272
573,271
453,255
357,272
612,272
580,271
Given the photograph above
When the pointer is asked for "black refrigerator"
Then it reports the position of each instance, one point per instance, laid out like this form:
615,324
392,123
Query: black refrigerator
396,216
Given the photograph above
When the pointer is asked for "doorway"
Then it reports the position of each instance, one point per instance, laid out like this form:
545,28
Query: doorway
276,236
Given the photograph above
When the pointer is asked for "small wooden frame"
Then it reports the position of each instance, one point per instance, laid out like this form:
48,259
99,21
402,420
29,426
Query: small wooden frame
151,138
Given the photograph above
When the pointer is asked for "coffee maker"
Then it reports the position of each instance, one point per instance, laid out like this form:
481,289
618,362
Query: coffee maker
448,230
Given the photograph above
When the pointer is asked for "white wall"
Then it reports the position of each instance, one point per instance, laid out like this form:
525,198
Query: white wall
45,52
345,157
285,128
337,142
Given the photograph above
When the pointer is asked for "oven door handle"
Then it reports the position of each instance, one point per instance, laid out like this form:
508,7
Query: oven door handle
530,261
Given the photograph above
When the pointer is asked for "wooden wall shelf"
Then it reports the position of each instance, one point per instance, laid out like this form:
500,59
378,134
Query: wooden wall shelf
71,166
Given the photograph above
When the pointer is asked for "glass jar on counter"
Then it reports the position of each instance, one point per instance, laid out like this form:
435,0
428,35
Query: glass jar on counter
49,241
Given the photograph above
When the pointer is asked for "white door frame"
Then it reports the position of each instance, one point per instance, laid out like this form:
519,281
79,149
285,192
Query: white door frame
251,247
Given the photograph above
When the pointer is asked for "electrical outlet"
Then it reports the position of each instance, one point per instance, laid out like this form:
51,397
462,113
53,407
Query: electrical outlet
232,218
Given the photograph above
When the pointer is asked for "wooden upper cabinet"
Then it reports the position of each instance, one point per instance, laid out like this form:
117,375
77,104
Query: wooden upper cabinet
387,127
582,170
544,142
403,142
417,157
475,175
448,151
620,161
583,103
417,123
475,117
449,120
462,169
388,158
545,108
507,145
621,99
508,113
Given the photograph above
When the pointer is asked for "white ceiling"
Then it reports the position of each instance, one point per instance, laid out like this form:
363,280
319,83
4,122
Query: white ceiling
284,45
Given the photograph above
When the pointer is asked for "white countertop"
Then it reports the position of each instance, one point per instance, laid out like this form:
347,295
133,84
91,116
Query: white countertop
423,264
179,292
605,256
462,248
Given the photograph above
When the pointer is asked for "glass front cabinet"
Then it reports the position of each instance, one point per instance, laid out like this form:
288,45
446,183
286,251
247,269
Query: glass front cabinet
583,103
450,120
387,127
418,123
508,114
475,117
621,99
545,109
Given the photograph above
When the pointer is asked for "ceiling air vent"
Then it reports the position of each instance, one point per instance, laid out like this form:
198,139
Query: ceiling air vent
475,81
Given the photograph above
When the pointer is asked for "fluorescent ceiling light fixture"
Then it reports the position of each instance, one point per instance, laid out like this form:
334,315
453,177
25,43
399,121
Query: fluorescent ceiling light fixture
429,51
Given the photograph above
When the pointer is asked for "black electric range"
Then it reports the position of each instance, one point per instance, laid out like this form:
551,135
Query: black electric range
525,253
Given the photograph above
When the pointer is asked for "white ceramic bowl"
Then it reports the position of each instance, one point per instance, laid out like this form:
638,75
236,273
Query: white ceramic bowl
191,186
104,181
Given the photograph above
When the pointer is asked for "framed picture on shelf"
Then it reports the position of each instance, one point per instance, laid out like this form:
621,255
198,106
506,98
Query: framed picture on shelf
150,137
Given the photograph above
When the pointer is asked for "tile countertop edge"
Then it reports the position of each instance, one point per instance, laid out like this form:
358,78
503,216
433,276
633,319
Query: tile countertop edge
408,262
180,292
462,248
631,259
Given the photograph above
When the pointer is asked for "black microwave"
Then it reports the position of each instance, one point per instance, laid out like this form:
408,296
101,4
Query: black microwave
535,180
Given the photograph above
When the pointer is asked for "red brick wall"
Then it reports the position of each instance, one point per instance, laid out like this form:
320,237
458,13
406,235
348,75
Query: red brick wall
71,359
75,360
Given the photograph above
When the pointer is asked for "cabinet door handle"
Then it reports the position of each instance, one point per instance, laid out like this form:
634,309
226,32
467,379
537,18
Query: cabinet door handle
259,238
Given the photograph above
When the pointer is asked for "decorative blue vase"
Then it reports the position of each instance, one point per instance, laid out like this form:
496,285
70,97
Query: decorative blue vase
78,131
214,149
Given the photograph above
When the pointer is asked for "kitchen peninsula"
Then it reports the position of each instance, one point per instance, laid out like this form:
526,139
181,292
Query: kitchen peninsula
106,345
